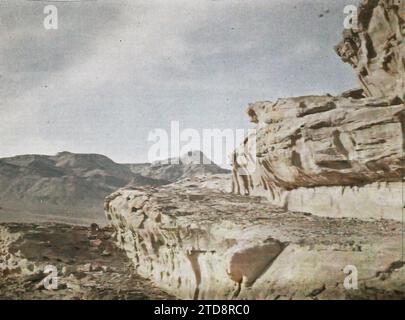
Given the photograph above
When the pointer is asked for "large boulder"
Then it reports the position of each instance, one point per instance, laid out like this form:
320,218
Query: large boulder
334,156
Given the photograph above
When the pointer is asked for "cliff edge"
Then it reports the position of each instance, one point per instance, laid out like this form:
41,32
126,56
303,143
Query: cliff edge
337,156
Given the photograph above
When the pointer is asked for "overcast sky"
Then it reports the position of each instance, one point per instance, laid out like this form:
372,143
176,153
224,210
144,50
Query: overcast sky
115,70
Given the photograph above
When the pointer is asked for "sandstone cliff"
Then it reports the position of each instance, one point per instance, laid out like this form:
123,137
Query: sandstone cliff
337,156
376,49
332,156
89,265
200,243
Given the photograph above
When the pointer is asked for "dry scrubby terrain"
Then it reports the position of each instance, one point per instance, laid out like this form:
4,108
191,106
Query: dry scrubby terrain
89,264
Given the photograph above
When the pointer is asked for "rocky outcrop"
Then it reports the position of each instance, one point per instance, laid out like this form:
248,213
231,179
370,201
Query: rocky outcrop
64,186
376,48
327,155
200,243
337,156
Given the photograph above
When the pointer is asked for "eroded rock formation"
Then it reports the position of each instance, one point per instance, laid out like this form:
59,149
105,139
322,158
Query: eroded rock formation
331,156
337,156
199,243
376,48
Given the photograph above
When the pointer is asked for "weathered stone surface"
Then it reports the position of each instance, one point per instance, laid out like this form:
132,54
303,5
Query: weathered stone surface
376,49
84,272
328,155
200,243
337,156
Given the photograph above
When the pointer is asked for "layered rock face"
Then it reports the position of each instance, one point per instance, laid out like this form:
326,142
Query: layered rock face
331,156
200,243
89,266
337,156
376,48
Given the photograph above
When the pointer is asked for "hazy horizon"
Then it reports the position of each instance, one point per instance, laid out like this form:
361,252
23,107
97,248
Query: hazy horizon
112,72
82,153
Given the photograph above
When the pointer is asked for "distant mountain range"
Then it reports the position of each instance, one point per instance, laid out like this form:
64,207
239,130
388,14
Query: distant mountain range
73,186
